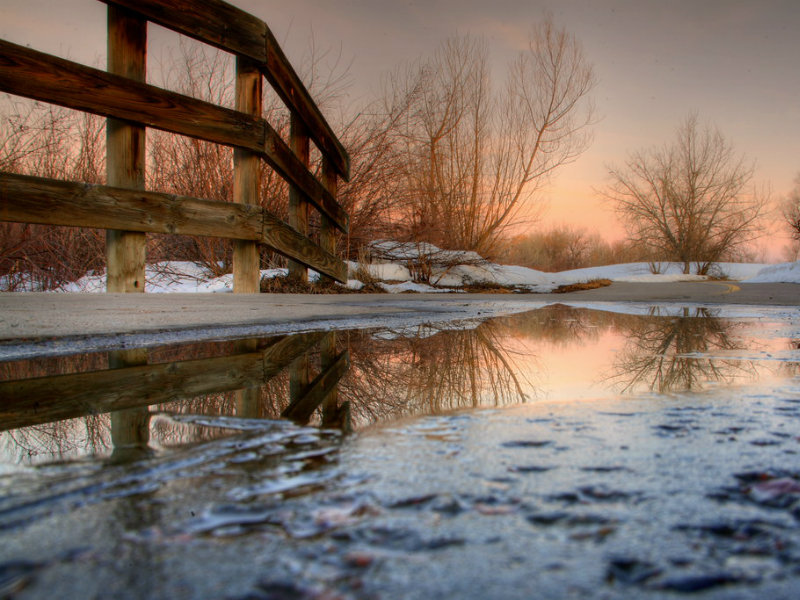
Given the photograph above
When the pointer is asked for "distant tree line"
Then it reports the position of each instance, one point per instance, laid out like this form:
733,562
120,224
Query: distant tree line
564,247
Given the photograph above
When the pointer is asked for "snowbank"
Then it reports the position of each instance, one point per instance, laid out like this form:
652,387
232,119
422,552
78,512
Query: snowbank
782,273
381,271
508,276
421,252
446,271
666,272
163,277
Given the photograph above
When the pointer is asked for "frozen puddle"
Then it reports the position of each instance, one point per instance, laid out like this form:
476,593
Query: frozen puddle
561,453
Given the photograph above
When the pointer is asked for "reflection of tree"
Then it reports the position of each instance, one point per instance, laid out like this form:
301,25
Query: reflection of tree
58,440
563,326
445,371
664,353
792,368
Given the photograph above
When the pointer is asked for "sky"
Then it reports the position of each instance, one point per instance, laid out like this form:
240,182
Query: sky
734,62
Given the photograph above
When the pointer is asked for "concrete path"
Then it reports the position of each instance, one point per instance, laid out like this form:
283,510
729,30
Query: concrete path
49,323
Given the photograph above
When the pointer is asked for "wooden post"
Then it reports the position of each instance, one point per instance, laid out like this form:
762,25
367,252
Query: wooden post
125,250
130,428
298,206
125,150
246,165
327,232
248,400
327,355
299,377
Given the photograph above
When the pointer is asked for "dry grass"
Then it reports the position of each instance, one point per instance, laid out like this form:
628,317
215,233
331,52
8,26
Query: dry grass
287,285
488,288
577,287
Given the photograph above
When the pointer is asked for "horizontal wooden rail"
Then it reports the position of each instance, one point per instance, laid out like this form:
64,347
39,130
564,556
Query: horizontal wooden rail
27,199
231,29
37,75
29,402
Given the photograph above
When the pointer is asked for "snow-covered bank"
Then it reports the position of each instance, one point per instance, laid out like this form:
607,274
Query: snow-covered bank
782,273
424,268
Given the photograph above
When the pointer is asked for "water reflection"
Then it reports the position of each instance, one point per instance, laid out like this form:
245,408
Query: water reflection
430,371
678,353
104,404
111,408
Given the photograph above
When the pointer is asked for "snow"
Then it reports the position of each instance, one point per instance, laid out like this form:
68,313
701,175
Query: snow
447,271
422,251
163,277
782,273
666,272
381,271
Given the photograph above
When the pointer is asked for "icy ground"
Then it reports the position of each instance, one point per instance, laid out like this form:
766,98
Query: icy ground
589,483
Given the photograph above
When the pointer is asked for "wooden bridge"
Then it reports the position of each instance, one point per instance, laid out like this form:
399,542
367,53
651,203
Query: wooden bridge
124,207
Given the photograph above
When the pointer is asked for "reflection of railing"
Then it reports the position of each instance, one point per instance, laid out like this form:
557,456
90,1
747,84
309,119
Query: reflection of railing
122,95
40,400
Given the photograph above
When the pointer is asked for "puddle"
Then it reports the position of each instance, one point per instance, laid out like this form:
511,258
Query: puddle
558,453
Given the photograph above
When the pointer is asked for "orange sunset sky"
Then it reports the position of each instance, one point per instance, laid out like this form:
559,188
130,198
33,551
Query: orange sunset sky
734,62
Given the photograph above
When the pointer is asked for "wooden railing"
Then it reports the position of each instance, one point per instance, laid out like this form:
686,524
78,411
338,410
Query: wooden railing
34,401
123,206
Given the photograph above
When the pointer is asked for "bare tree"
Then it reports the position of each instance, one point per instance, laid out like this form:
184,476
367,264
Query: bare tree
474,157
689,201
790,209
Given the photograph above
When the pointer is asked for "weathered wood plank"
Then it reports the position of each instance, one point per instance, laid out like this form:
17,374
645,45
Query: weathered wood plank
282,159
324,384
29,402
28,199
279,355
213,22
125,150
298,207
246,164
36,75
279,236
234,30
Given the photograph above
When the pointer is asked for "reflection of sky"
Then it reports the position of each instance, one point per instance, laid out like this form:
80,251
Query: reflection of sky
575,371
733,61
589,368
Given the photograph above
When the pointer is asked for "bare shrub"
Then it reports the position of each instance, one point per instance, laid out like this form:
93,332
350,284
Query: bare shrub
565,247
49,141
